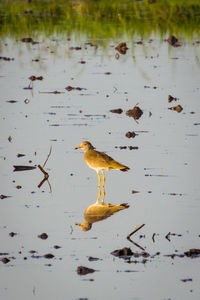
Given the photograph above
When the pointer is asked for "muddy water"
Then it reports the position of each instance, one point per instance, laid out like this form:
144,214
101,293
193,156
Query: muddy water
164,170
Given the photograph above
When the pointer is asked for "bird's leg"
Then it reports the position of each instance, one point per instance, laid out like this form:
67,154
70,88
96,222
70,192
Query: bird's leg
102,201
104,179
99,183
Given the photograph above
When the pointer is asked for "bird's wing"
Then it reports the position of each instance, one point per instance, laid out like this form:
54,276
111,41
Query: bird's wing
103,160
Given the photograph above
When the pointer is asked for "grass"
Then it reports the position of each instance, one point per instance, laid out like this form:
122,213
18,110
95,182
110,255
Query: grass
100,19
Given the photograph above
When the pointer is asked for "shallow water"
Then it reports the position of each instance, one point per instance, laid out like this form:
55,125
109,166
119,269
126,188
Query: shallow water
164,169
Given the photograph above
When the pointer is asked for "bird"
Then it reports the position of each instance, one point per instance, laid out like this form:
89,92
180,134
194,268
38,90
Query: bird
99,161
98,212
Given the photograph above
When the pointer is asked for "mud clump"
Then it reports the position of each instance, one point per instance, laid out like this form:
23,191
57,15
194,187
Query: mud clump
136,112
124,252
116,111
12,234
5,260
90,258
177,108
49,256
171,98
6,58
43,236
81,270
122,48
27,40
33,78
130,134
71,88
127,253
56,247
3,196
173,41
192,253
75,48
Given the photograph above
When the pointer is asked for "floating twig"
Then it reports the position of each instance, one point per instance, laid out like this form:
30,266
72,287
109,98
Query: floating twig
128,237
47,157
153,237
130,240
23,168
46,175
134,243
54,92
168,236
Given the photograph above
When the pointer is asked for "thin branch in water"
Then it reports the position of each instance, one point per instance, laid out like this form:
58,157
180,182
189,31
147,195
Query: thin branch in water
134,243
153,237
168,236
47,157
54,92
46,175
128,237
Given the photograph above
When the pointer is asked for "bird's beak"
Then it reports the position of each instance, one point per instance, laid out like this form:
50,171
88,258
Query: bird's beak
78,147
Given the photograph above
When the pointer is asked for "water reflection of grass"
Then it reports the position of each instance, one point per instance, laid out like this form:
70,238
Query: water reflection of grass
99,19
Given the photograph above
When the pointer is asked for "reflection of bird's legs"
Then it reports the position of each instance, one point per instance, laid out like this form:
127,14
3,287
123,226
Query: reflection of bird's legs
102,201
103,178
99,183
99,195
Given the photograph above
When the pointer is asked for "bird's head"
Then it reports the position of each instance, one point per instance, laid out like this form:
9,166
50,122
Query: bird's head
85,146
85,226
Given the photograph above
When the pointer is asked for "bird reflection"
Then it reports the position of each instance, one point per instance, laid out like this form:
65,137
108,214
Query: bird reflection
99,211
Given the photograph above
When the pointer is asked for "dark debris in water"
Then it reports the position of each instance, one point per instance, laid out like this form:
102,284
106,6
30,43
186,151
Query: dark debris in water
126,253
192,253
75,48
129,147
81,270
49,256
116,111
177,108
90,258
29,40
12,234
18,187
186,280
12,101
71,88
33,78
43,236
20,155
171,98
4,196
135,112
171,234
5,260
6,58
173,41
130,134
121,48
56,247
23,168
